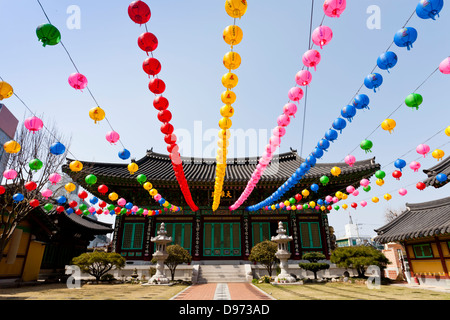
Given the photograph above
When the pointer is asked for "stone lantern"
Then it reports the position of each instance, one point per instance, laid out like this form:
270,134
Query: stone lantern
283,254
161,241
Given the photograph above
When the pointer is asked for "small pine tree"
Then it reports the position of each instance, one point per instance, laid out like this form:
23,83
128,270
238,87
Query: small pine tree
177,255
313,265
99,263
264,253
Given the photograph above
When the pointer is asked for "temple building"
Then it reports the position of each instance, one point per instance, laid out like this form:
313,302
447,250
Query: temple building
222,234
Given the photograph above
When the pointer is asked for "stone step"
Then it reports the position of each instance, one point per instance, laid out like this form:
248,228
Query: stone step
221,273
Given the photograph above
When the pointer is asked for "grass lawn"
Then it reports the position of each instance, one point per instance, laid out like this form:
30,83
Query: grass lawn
348,291
91,292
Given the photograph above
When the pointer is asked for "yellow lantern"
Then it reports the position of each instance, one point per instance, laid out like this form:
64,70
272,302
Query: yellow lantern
225,123
380,182
273,207
388,125
228,97
312,204
236,8
447,131
375,199
166,204
76,166
287,203
387,196
339,195
97,114
335,171
232,60
6,90
69,187
233,35
227,111
230,80
438,154
305,193
323,208
344,206
293,207
344,196
148,186
133,167
113,196
224,134
220,143
11,146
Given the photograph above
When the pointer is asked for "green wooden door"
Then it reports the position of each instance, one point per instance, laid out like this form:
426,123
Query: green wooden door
222,239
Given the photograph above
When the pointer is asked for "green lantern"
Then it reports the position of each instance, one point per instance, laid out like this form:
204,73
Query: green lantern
123,210
110,207
324,180
140,211
48,34
86,212
366,145
414,100
292,200
48,207
367,189
82,207
141,178
336,208
35,164
305,206
380,174
90,179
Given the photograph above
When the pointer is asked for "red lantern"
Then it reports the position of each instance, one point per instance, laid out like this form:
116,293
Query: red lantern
83,195
30,186
73,204
167,128
151,66
172,147
397,174
329,208
117,209
139,12
99,211
102,189
298,197
59,209
34,203
157,86
160,103
147,42
102,204
2,189
164,116
79,212
170,138
354,205
421,185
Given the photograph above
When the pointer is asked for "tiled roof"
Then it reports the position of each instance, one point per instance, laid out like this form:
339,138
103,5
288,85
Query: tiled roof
442,167
96,226
158,167
419,220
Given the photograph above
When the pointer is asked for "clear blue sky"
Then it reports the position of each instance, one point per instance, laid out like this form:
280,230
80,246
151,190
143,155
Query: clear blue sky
191,50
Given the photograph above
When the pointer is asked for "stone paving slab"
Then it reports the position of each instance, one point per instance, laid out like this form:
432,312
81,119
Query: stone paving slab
232,291
204,291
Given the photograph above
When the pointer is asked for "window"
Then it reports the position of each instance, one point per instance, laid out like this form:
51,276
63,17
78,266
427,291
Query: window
180,233
310,235
133,236
423,251
262,231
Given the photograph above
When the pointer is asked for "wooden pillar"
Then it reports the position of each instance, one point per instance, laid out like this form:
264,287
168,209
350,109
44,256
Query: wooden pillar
441,255
295,236
197,243
246,237
411,270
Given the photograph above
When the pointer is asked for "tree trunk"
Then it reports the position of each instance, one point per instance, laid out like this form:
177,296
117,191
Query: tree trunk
315,275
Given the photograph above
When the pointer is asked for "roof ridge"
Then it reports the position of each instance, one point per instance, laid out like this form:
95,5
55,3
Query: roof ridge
429,204
438,167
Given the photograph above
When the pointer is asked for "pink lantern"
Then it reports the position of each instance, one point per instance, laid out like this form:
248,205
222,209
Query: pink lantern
281,205
329,199
355,193
350,160
10,174
311,58
444,66
364,182
33,124
290,109
363,203
145,212
303,78
414,166
91,210
335,199
295,94
121,202
402,191
106,212
283,120
334,8
47,193
112,137
288,208
423,149
77,81
157,197
350,189
134,209
54,178
322,36
279,131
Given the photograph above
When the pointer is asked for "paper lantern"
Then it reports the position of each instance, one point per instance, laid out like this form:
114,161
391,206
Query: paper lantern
331,135
334,8
69,187
34,203
429,9
148,186
228,97
113,196
141,178
311,58
402,191
227,111
47,193
339,124
400,164
421,185
139,12
438,154
102,189
441,177
350,160
415,166
321,36
97,114
344,206
10,174
375,199
380,174
147,42
373,81
423,149
54,178
11,146
76,166
33,124
388,125
335,171
57,148
379,182
93,200
151,66
160,103
397,174
364,182
225,123
124,154
90,179
414,100
290,109
230,80
48,207
157,86
295,94
232,60
164,116
232,35
363,203
82,195
236,8
387,60
6,90
361,101
133,167
48,34
324,180
305,193
405,37
387,197
77,81
366,145
303,78
112,137
444,67
30,186
348,112
354,205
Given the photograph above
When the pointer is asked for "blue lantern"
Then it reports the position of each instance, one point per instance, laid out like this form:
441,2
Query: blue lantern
304,167
160,201
320,202
400,164
340,124
361,101
405,37
331,135
441,177
323,144
129,205
373,81
124,154
427,9
93,200
387,60
61,200
348,112
18,197
69,210
314,187
318,153
57,148
311,160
